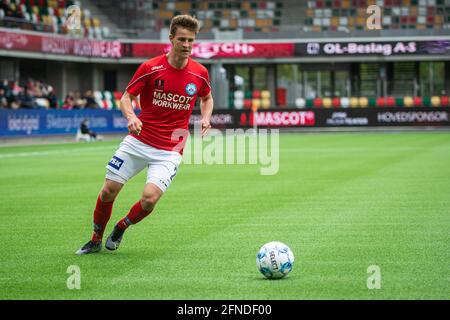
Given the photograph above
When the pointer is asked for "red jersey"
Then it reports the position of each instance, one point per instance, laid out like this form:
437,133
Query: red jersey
167,98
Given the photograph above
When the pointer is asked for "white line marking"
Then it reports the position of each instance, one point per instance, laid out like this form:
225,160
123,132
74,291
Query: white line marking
52,152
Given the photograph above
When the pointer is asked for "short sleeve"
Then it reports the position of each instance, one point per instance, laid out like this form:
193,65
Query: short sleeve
206,88
137,83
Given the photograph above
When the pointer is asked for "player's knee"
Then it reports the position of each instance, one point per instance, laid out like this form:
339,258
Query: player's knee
108,194
149,201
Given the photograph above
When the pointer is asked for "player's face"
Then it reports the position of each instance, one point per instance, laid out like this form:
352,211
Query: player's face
182,42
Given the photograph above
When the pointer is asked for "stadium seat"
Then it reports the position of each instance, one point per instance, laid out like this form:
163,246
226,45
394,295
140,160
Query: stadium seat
98,95
238,99
336,102
45,11
399,102
239,94
417,101
327,102
108,105
265,94
354,102
381,102
390,101
300,103
105,32
317,102
221,15
363,102
372,102
408,101
435,101
265,103
396,14
256,104
87,23
97,32
98,98
345,102
238,103
107,95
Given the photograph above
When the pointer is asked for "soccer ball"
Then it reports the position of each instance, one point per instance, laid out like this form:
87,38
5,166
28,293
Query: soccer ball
274,260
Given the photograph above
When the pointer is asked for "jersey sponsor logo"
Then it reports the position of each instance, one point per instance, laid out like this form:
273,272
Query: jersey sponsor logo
172,101
191,89
156,67
115,162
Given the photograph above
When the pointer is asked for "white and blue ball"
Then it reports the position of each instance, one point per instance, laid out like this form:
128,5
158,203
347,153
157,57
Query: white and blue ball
275,260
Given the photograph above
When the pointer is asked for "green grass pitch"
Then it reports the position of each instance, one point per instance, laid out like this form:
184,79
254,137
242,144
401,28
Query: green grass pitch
342,202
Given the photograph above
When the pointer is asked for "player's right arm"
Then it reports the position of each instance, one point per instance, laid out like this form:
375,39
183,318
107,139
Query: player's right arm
134,89
126,106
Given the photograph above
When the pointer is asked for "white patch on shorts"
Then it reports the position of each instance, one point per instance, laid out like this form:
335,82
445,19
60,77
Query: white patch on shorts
133,156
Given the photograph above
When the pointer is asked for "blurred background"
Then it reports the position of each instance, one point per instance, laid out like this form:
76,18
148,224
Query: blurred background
265,55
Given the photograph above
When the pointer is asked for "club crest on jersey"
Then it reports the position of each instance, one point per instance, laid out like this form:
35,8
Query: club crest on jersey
191,89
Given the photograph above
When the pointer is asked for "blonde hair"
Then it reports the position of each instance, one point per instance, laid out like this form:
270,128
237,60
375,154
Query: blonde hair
184,21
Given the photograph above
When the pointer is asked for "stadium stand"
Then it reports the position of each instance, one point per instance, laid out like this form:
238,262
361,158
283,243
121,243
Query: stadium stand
262,16
348,15
315,85
283,17
38,95
214,15
49,16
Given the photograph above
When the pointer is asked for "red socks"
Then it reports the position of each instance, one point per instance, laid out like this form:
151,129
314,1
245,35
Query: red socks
102,213
136,214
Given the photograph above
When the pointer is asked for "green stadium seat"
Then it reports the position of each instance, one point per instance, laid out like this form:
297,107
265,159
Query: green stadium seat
399,102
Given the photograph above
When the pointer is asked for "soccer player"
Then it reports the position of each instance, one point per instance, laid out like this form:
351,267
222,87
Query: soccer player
168,86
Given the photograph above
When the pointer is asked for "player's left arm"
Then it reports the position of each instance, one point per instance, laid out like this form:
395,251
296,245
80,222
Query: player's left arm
206,108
